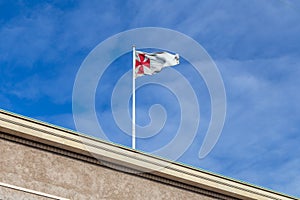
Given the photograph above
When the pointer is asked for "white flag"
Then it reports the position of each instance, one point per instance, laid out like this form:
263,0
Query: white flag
152,63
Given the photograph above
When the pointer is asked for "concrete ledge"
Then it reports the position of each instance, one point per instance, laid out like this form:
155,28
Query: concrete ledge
138,161
33,194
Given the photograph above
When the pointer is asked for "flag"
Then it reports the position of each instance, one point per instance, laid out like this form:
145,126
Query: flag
152,63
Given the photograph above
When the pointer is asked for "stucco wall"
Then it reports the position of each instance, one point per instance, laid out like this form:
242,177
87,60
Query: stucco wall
66,177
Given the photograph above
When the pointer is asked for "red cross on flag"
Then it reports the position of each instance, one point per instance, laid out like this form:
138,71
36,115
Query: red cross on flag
152,63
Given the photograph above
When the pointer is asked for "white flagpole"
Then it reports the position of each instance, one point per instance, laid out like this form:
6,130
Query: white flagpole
133,97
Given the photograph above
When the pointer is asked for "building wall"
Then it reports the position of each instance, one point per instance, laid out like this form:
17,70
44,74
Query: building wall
62,176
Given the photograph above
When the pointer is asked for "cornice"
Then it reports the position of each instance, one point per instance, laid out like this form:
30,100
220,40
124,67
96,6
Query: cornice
79,146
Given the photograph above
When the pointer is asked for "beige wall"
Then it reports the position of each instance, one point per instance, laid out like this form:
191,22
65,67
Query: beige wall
66,177
64,168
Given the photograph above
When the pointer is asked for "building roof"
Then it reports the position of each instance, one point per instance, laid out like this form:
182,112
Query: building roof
129,159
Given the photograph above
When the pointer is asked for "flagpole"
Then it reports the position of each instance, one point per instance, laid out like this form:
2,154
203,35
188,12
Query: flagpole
133,96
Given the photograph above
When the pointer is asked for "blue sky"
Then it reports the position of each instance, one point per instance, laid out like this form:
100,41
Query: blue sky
255,45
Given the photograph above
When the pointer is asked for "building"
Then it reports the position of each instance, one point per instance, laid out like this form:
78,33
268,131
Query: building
41,161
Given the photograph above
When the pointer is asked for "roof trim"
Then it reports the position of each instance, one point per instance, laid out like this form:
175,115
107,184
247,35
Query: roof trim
78,143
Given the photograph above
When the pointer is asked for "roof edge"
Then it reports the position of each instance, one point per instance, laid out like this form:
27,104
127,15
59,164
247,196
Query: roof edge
55,136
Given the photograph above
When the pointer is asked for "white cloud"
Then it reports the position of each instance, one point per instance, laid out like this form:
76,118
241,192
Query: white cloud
260,140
